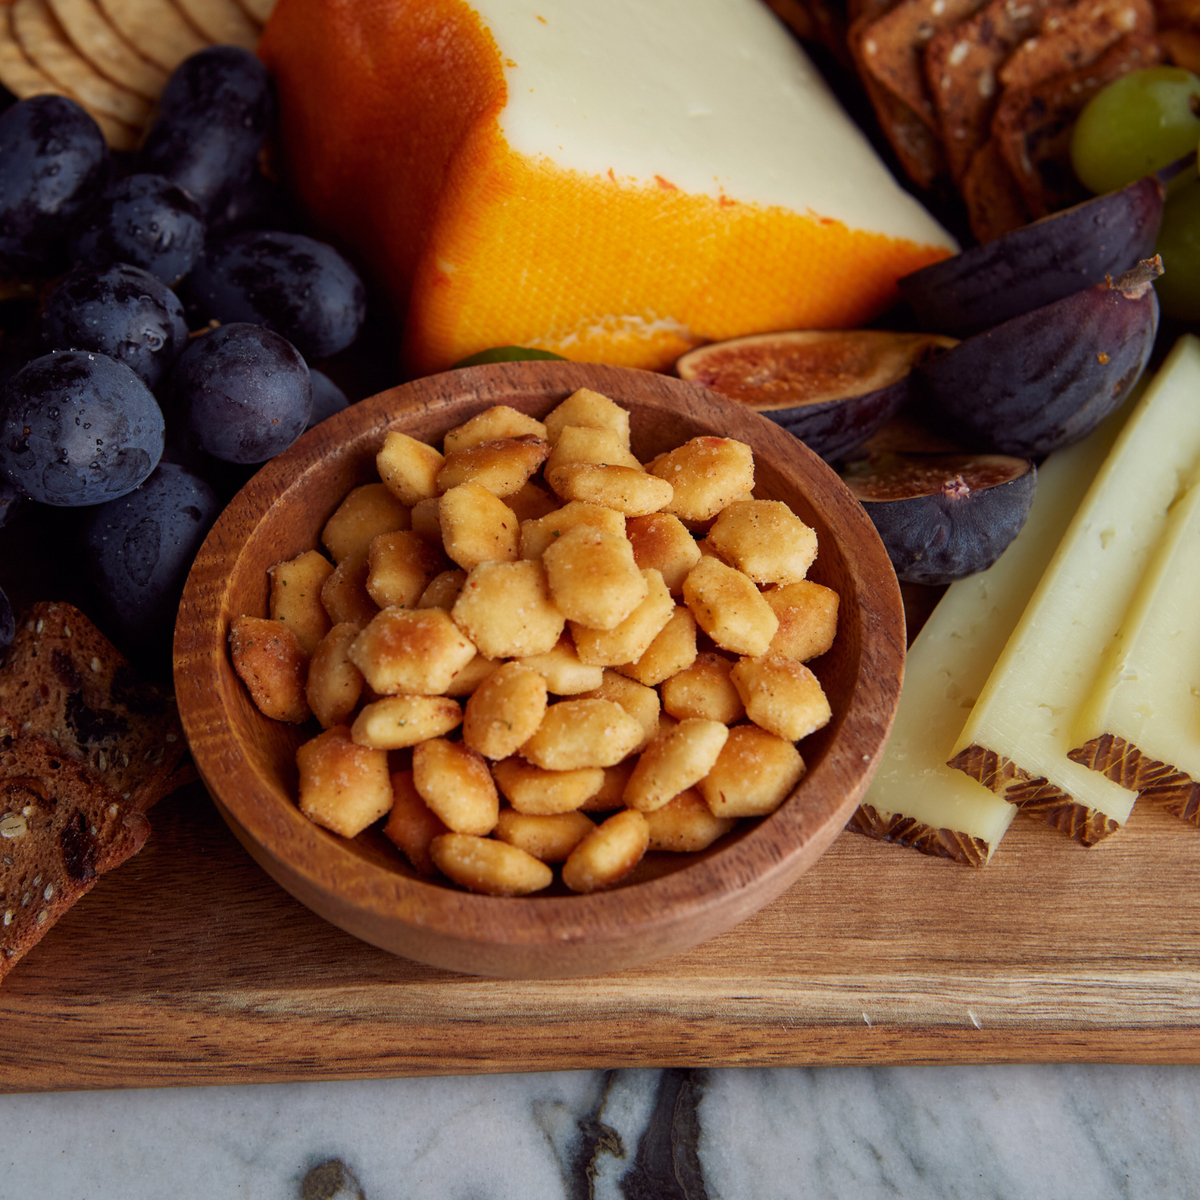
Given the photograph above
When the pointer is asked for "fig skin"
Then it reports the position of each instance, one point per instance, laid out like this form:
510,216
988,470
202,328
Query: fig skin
1046,379
1038,263
944,517
831,389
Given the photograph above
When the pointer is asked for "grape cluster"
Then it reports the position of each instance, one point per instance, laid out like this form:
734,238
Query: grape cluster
1139,124
172,309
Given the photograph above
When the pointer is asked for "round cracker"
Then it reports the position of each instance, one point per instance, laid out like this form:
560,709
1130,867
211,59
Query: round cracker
156,28
94,36
260,10
222,21
46,45
17,73
24,79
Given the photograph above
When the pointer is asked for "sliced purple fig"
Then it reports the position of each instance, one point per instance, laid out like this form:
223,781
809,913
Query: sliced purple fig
942,517
830,388
1038,263
1046,379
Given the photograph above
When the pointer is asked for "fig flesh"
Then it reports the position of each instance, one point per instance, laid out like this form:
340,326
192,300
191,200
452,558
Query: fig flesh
1038,263
832,389
1046,379
943,517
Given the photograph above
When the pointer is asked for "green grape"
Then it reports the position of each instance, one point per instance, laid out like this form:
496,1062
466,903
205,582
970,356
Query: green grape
1178,287
1139,123
503,354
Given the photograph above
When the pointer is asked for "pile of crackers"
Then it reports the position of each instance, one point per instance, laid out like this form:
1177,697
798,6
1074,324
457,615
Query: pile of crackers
985,93
114,56
87,748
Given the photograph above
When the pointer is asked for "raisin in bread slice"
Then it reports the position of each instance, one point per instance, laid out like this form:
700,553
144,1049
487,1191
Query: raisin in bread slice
63,680
60,830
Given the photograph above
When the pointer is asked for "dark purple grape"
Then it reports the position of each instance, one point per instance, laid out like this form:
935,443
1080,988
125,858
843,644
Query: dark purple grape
10,501
8,626
121,311
242,392
254,203
327,398
147,221
55,163
212,118
302,289
138,551
78,428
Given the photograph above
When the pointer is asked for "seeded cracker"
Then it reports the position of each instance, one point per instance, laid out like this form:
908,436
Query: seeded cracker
60,830
63,680
1074,36
892,48
913,142
962,65
1032,126
995,204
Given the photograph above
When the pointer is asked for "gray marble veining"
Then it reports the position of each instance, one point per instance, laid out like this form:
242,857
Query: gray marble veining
954,1133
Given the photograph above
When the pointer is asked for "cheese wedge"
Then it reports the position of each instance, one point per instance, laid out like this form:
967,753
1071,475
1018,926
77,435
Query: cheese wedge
616,182
1141,724
1018,737
915,798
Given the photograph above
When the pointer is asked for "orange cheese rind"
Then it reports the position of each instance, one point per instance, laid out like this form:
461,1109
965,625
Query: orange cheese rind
612,183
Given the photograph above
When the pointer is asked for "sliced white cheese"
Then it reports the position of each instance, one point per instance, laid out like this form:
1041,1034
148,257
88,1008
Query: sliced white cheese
915,798
1147,694
1019,734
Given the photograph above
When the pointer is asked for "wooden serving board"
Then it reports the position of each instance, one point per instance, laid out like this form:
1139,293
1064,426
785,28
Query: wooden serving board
191,966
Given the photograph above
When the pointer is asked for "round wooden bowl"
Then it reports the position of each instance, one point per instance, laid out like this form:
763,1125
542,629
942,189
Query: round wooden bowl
672,902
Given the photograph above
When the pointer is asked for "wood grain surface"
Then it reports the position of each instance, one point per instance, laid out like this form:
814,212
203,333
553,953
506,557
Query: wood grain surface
190,966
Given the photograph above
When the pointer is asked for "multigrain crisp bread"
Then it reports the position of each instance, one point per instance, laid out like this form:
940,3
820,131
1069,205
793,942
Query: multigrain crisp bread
60,830
962,67
994,202
914,143
892,48
1074,36
1032,126
63,680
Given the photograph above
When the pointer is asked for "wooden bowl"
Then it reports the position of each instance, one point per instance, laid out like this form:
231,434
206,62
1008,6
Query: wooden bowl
363,885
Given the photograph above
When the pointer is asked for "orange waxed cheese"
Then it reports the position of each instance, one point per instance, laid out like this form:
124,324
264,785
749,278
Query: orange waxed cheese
393,121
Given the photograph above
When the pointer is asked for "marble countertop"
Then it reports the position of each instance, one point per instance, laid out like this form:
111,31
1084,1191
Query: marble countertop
1091,1132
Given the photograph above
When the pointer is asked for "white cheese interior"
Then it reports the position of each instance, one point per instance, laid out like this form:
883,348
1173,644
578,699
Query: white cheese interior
1029,706
713,96
949,661
1148,691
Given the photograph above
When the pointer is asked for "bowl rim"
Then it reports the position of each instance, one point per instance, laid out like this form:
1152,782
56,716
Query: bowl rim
744,874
